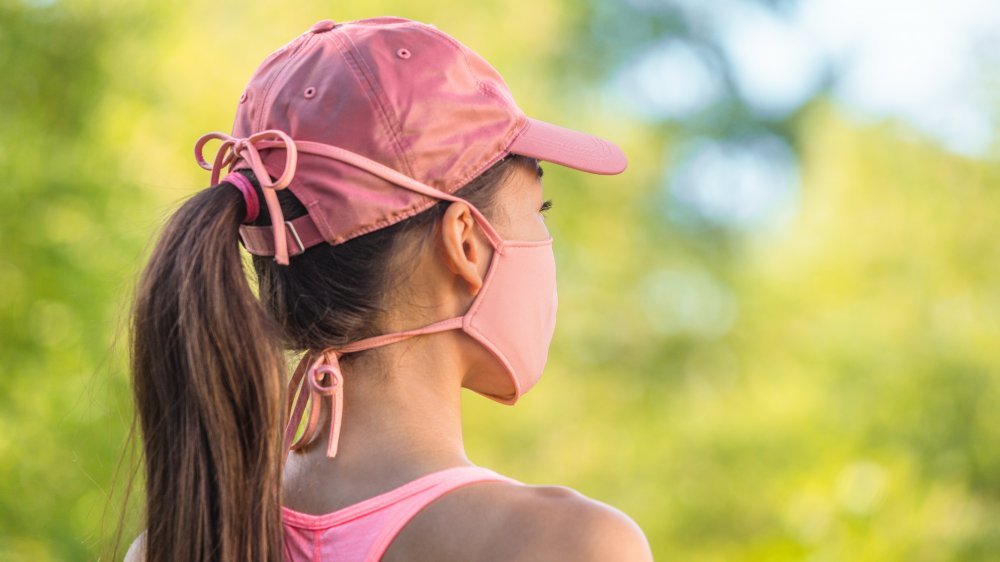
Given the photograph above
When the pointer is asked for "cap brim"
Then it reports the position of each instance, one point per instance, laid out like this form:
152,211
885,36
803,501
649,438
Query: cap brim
570,148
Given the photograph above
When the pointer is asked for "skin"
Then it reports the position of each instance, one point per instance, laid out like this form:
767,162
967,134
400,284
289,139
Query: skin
402,420
409,425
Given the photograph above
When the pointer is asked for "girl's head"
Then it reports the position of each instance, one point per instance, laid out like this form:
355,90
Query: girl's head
375,144
331,295
422,269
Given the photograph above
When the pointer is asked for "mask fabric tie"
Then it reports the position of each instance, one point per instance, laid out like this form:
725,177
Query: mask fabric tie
247,148
312,389
308,383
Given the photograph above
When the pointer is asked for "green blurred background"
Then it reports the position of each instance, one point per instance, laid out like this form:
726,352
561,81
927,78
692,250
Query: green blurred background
777,336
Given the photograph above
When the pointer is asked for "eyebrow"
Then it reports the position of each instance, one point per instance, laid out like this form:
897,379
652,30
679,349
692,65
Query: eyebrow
540,171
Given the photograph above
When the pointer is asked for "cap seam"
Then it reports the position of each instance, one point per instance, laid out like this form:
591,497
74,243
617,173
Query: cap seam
392,219
490,91
520,131
458,47
315,211
480,169
484,87
264,104
485,90
388,117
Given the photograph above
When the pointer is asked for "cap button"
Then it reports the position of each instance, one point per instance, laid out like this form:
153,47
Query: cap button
323,25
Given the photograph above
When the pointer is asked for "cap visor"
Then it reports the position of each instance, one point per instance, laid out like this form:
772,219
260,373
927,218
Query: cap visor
567,147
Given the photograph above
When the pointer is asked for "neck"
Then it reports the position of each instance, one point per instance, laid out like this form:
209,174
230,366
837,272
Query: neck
401,416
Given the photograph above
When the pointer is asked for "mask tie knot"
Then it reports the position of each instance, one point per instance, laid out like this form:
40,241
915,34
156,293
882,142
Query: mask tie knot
308,382
247,149
309,379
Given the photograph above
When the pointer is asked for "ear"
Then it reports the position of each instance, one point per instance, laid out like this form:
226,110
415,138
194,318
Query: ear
463,250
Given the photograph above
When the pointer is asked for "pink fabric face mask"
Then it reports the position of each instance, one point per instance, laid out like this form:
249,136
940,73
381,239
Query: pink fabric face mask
513,316
514,313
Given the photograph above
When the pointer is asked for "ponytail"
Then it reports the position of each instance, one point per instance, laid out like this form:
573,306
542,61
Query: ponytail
208,366
208,376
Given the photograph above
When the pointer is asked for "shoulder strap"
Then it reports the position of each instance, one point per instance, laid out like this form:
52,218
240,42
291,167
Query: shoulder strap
446,481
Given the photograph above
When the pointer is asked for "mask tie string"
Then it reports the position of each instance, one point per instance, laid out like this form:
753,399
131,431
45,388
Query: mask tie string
308,381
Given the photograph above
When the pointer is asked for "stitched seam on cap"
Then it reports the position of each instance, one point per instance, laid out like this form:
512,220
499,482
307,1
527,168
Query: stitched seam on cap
380,103
455,45
507,141
487,90
464,51
264,105
427,200
389,115
316,212
406,213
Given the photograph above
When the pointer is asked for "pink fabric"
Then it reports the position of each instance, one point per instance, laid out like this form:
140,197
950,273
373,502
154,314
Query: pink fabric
311,229
363,532
514,315
247,146
394,91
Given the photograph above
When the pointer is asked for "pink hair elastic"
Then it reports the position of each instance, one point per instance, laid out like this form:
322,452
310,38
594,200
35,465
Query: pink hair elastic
249,195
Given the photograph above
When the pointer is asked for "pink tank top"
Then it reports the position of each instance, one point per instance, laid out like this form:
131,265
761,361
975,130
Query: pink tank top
362,532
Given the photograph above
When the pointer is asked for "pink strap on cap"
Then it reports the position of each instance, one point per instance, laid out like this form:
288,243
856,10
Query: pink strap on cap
249,195
233,147
309,375
303,228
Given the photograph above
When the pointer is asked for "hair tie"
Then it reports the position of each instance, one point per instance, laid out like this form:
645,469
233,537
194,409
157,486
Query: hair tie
249,195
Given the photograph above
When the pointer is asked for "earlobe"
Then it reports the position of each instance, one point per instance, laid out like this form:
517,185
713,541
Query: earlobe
461,248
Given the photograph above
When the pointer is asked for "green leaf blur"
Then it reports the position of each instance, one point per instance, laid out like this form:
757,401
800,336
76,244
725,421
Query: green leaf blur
823,390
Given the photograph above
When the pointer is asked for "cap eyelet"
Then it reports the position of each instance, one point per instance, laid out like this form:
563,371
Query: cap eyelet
243,96
403,53
310,92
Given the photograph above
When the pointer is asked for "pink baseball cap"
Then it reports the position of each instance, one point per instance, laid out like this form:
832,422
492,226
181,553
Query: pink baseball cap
346,113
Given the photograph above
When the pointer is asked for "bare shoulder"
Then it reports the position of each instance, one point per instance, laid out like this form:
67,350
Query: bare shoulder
137,551
564,524
511,522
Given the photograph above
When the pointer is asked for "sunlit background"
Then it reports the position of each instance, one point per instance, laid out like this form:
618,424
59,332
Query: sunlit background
778,333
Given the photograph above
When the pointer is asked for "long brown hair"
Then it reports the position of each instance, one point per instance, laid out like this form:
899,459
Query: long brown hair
208,361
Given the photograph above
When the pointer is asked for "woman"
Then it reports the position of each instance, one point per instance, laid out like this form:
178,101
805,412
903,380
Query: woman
412,261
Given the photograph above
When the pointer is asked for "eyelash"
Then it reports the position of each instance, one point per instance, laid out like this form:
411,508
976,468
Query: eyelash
545,206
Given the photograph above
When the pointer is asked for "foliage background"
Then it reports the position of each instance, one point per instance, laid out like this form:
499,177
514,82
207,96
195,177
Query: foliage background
820,386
